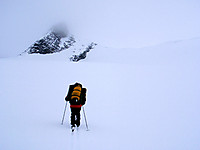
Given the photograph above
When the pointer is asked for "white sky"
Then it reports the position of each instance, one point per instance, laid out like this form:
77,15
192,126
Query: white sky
113,23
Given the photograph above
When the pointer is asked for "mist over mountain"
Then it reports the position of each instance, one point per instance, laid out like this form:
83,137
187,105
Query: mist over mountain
119,24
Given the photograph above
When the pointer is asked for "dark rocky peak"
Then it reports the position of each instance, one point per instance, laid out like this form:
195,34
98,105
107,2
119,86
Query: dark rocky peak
59,39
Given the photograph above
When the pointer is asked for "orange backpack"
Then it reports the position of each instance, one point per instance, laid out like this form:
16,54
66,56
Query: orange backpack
76,93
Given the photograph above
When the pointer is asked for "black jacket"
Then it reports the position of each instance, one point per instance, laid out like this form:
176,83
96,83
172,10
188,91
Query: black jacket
82,97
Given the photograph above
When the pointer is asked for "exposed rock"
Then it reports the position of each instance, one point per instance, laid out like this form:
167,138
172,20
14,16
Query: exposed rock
83,55
51,43
58,39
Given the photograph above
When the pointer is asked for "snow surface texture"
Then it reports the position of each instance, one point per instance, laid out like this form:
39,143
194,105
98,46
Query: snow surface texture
142,99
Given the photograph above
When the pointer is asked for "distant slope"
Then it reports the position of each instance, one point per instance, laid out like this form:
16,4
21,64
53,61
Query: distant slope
166,53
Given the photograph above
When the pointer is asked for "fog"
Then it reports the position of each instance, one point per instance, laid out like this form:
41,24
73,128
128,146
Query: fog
112,23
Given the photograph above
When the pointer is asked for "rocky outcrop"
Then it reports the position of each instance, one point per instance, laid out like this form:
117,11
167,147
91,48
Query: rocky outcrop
58,40
51,43
83,54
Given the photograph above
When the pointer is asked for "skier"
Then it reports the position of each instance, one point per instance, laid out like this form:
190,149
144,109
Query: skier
76,97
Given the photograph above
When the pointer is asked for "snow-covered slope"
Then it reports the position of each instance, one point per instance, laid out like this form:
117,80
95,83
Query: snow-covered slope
144,99
167,53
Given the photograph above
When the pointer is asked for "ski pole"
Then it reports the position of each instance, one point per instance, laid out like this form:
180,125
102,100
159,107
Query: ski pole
85,119
64,114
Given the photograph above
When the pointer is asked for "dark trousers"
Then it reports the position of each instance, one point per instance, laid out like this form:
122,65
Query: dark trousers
75,116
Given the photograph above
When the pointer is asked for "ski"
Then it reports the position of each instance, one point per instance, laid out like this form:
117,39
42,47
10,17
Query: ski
73,128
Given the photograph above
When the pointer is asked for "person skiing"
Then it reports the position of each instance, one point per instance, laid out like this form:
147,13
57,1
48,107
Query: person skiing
77,97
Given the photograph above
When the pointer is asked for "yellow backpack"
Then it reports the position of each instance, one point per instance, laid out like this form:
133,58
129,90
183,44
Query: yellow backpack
76,92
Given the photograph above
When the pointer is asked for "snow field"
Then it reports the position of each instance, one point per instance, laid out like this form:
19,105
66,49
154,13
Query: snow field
150,103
